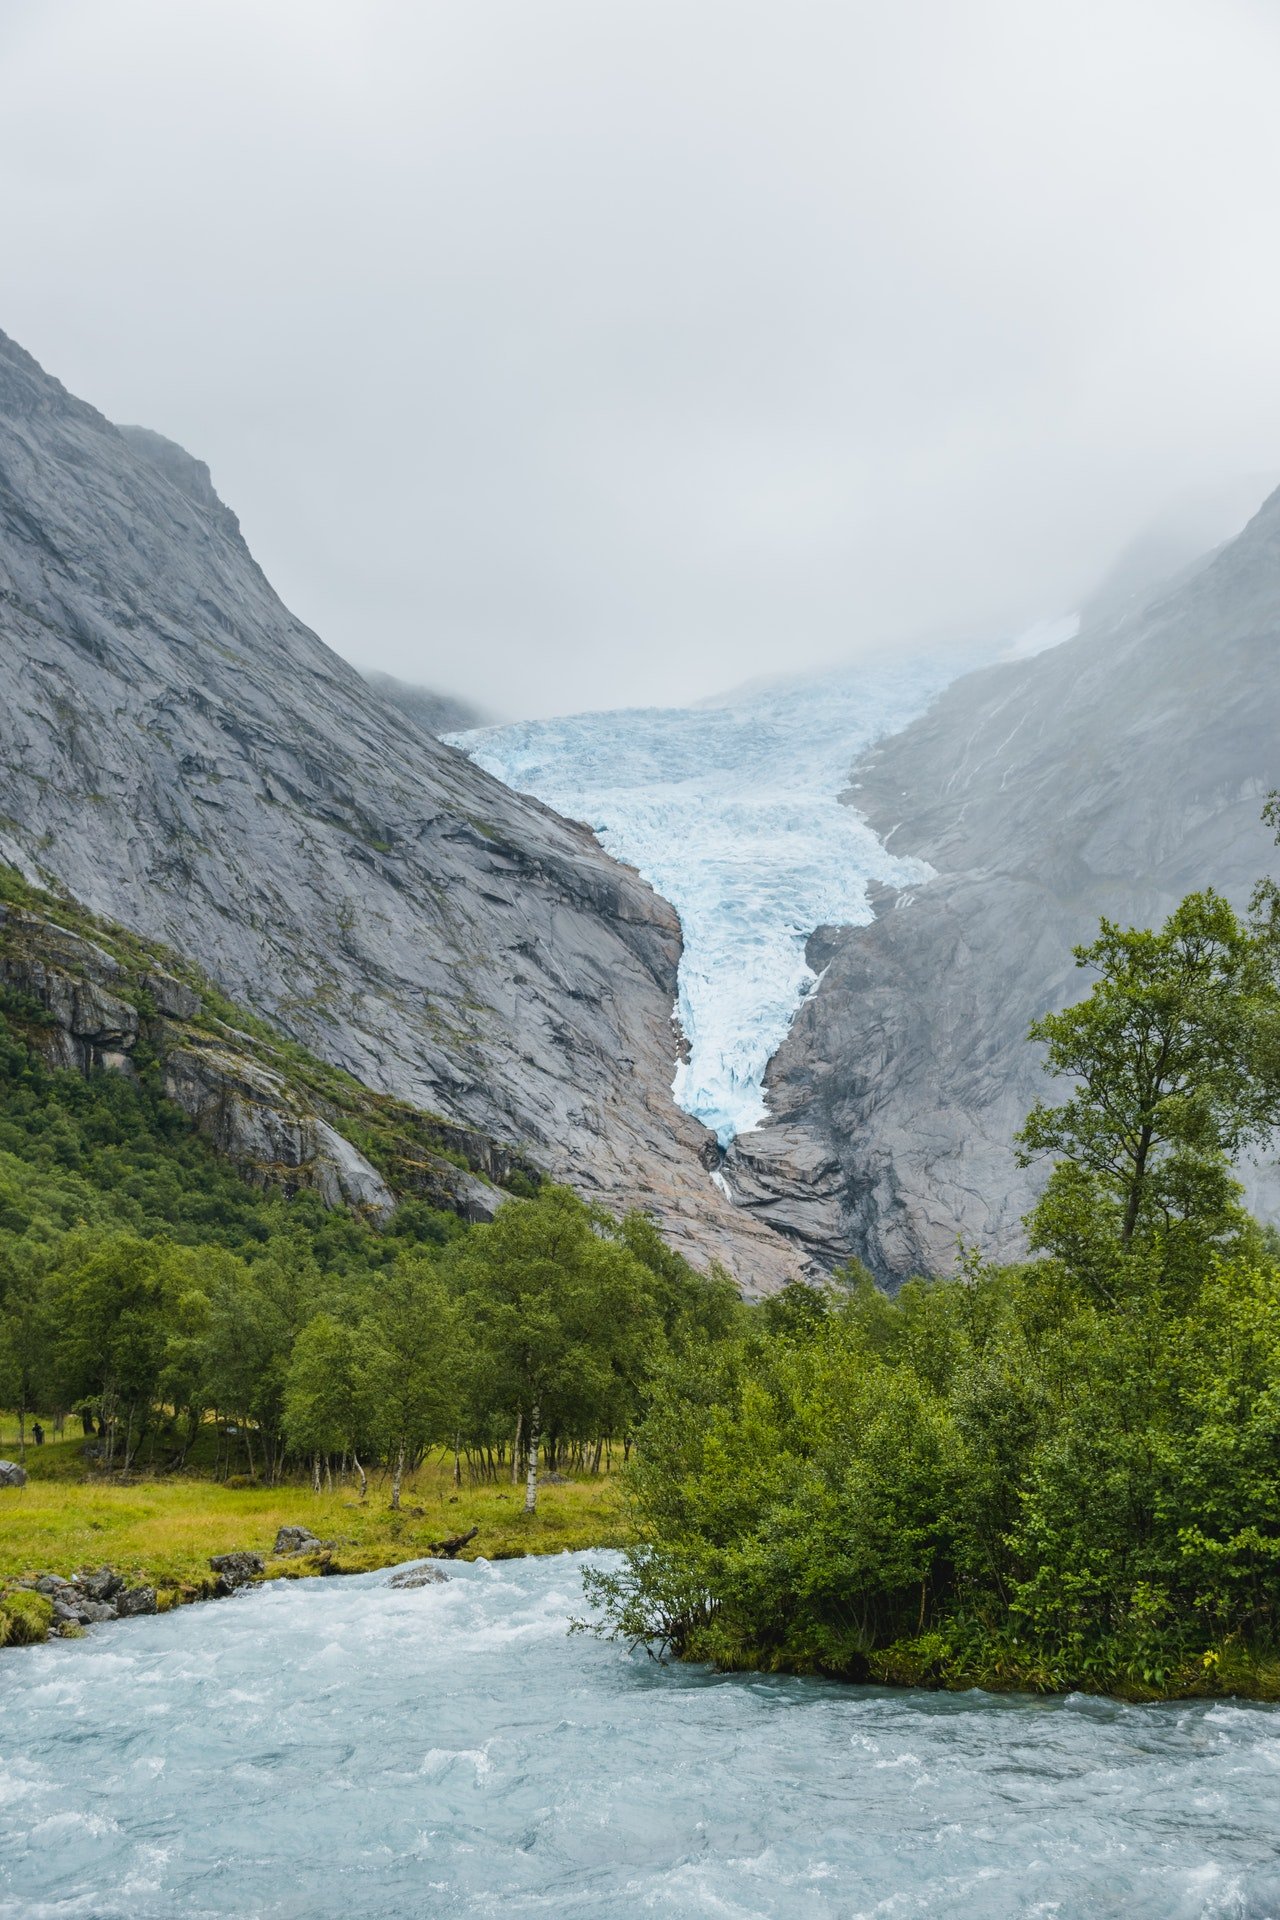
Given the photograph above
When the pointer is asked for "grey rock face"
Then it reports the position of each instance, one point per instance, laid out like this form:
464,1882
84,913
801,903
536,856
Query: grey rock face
1112,775
11,1474
187,758
243,1109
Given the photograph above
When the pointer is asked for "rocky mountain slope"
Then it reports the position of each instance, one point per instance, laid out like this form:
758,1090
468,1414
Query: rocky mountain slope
91,997
1110,775
184,756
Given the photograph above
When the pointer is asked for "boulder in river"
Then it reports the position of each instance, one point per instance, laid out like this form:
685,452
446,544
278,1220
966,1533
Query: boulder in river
71,1609
417,1577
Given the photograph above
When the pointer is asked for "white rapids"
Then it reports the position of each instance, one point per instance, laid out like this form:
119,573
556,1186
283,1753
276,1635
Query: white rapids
347,1750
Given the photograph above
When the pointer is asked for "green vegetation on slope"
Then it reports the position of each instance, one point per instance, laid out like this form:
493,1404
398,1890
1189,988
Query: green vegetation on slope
404,1143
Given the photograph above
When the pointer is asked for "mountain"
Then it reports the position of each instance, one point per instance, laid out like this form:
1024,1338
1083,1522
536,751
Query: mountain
1110,775
434,712
183,756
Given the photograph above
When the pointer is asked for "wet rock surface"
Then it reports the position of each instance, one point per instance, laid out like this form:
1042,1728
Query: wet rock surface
236,1569
417,1577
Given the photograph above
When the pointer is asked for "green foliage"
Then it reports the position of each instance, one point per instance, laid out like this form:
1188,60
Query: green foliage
1061,1474
1173,1057
994,1480
145,1285
25,1618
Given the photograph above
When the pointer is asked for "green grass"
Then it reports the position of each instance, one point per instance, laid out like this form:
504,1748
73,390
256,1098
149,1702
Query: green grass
162,1532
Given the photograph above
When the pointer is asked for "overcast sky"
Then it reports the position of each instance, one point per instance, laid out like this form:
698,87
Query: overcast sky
566,353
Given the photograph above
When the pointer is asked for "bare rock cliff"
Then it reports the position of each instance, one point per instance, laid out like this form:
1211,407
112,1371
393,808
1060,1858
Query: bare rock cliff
187,758
1111,775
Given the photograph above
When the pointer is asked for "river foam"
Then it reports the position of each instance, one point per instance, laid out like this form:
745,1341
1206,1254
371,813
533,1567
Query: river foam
347,1750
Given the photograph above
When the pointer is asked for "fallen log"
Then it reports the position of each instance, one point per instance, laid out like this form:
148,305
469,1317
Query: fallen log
450,1549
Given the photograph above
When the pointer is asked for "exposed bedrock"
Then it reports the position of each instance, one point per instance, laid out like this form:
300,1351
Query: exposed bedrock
187,758
1111,775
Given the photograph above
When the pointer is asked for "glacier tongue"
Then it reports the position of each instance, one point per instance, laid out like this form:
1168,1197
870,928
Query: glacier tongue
732,812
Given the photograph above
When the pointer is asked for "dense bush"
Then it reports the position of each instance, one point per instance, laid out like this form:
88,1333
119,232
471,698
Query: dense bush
1056,1474
991,1479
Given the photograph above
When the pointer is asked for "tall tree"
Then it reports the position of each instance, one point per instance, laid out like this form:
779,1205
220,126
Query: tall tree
415,1358
563,1317
1173,1057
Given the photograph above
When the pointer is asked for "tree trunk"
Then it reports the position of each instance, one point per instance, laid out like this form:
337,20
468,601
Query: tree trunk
364,1478
531,1479
515,1448
315,1473
595,1458
328,1473
397,1475
22,1436
1134,1201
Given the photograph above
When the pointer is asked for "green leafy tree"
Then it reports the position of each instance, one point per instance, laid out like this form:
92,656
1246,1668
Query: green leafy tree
328,1394
110,1313
1172,1054
415,1356
563,1317
24,1336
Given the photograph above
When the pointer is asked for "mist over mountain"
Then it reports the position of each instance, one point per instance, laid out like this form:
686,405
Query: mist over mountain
1111,774
436,713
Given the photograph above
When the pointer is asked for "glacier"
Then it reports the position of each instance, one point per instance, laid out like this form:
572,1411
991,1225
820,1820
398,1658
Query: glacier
731,810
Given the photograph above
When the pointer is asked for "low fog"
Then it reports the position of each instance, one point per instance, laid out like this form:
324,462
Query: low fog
570,353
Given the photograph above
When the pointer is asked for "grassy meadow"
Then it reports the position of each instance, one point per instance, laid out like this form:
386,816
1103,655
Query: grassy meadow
162,1532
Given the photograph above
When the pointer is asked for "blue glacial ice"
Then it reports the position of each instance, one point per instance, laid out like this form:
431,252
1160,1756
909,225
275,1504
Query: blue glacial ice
731,810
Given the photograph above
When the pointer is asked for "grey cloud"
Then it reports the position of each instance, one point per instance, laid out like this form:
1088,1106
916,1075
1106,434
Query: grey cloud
558,353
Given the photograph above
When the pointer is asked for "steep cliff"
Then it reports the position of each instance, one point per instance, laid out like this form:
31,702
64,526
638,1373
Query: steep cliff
91,997
184,756
1110,775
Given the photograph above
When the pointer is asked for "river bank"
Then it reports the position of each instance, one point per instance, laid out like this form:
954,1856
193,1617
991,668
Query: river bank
162,1534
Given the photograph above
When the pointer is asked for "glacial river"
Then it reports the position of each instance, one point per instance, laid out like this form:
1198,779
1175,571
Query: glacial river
338,1749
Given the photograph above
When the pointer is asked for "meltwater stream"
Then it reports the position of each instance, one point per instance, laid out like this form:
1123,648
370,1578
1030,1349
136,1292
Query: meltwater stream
343,1750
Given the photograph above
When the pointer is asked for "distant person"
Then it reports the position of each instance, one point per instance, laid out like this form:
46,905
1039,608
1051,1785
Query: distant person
37,1433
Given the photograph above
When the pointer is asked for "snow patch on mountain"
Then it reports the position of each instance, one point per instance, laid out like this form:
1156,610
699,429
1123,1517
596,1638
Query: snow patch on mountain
732,812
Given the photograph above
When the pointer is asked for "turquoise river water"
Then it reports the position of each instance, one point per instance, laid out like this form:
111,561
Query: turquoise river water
339,1748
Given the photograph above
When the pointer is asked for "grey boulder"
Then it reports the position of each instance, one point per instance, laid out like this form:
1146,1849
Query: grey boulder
417,1577
235,1569
292,1540
135,1601
102,1585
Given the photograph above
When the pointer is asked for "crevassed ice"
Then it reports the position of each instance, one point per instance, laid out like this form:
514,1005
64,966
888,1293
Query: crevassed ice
731,810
